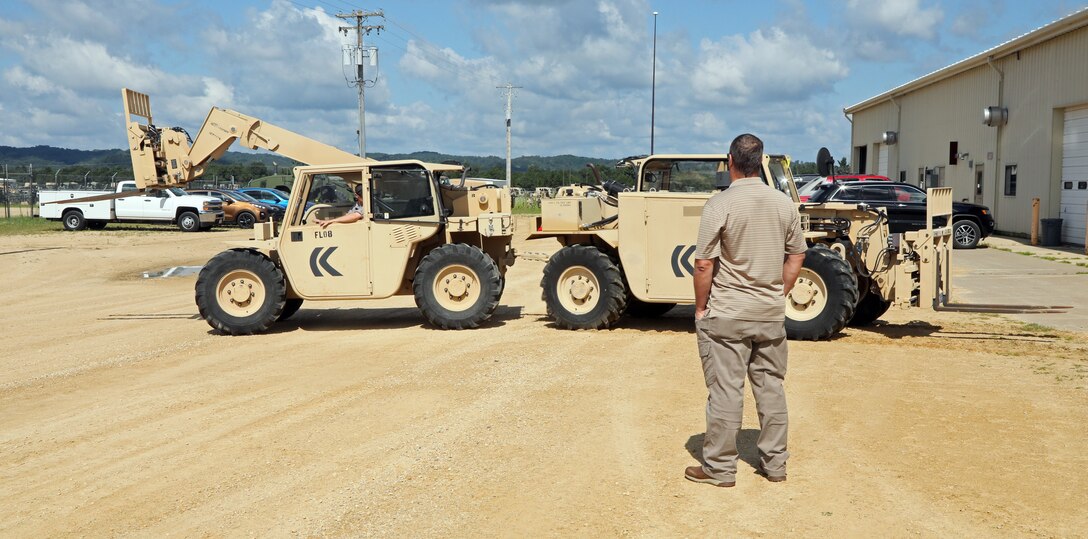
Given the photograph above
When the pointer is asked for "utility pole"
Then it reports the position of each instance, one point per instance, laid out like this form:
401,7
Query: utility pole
653,87
509,91
356,55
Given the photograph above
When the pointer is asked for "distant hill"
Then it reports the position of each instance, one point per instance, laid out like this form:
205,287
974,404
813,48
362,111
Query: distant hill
49,156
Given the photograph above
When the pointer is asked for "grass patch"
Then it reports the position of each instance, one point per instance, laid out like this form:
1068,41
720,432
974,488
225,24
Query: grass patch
1036,328
1025,253
36,225
524,207
28,225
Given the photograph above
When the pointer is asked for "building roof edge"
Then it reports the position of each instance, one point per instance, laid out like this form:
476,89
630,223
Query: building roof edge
1066,24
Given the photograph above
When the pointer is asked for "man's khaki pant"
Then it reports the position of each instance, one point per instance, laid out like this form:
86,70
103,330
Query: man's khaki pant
730,349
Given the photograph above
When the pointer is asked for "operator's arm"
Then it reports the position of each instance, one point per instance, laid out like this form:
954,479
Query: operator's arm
704,278
790,270
349,217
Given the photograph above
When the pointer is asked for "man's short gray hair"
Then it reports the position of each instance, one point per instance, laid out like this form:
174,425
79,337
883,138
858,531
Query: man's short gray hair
746,153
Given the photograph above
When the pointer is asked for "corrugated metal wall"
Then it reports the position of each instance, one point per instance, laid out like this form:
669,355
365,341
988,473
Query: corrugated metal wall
1040,82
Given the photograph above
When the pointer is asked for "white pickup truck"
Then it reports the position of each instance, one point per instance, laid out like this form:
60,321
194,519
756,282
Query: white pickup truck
190,212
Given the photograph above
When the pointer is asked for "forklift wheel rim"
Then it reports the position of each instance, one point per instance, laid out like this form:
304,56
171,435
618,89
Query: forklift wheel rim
240,293
456,288
808,298
578,290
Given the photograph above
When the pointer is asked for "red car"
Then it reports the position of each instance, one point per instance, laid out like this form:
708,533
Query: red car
806,191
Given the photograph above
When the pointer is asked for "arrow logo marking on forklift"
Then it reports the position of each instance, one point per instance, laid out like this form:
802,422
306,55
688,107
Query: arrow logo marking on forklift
323,261
680,258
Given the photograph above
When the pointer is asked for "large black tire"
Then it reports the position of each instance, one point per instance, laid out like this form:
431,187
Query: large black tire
457,286
189,222
240,292
642,309
96,225
965,234
824,298
245,219
869,309
583,288
73,220
290,307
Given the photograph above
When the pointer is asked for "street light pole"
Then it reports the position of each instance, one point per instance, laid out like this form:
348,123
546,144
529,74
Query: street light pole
653,87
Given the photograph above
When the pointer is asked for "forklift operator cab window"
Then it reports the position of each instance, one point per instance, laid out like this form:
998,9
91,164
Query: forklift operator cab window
400,193
330,196
778,180
333,190
687,176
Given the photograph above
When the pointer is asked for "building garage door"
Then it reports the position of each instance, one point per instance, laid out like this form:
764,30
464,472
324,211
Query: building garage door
882,160
1074,176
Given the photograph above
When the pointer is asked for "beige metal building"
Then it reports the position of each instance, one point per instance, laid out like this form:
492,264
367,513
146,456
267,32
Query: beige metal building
1001,128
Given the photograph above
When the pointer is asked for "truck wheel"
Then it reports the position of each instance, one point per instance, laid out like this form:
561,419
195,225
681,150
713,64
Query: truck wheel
583,288
240,292
290,307
824,297
642,309
457,286
73,220
965,234
870,308
245,219
96,225
188,222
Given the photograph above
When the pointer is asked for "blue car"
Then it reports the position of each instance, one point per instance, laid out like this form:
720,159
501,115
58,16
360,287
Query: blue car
270,196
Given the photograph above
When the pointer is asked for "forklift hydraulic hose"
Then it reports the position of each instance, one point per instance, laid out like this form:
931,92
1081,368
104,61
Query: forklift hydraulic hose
600,223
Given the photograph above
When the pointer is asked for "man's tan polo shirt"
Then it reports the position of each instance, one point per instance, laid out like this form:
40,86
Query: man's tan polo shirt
749,228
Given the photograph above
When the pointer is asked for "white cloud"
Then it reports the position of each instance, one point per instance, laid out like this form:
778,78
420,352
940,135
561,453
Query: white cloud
898,17
764,66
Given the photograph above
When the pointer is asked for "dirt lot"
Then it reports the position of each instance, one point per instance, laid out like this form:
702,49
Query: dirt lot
122,414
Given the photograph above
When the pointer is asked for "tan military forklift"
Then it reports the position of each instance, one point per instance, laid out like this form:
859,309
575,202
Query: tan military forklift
425,230
628,249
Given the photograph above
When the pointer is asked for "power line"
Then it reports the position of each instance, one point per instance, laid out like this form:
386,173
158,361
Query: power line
437,52
358,56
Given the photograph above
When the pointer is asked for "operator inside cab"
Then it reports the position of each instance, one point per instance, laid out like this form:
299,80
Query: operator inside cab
353,215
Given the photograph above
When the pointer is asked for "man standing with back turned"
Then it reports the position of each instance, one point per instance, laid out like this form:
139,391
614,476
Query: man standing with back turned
749,253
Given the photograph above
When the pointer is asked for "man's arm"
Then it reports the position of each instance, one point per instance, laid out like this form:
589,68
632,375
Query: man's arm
707,251
704,278
349,217
790,270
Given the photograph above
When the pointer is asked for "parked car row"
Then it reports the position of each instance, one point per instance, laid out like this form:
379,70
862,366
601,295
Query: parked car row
906,207
803,192
241,209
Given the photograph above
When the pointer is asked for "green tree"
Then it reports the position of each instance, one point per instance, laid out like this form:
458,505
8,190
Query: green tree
256,169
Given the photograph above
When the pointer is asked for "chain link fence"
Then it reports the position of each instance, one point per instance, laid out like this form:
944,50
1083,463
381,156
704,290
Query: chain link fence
19,191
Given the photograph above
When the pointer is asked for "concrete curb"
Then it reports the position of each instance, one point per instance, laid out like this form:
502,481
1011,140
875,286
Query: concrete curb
1067,254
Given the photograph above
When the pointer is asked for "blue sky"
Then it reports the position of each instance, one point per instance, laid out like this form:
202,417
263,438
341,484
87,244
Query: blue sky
782,70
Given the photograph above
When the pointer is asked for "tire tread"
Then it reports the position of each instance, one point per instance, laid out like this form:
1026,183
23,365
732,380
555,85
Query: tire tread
478,261
275,288
840,278
611,281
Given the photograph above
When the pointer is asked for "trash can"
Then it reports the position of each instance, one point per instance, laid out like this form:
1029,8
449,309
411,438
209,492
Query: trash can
1051,234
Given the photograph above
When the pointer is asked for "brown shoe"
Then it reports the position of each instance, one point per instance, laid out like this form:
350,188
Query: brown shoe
696,474
771,478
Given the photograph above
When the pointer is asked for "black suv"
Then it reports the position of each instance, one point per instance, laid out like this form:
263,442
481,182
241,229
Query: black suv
906,206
